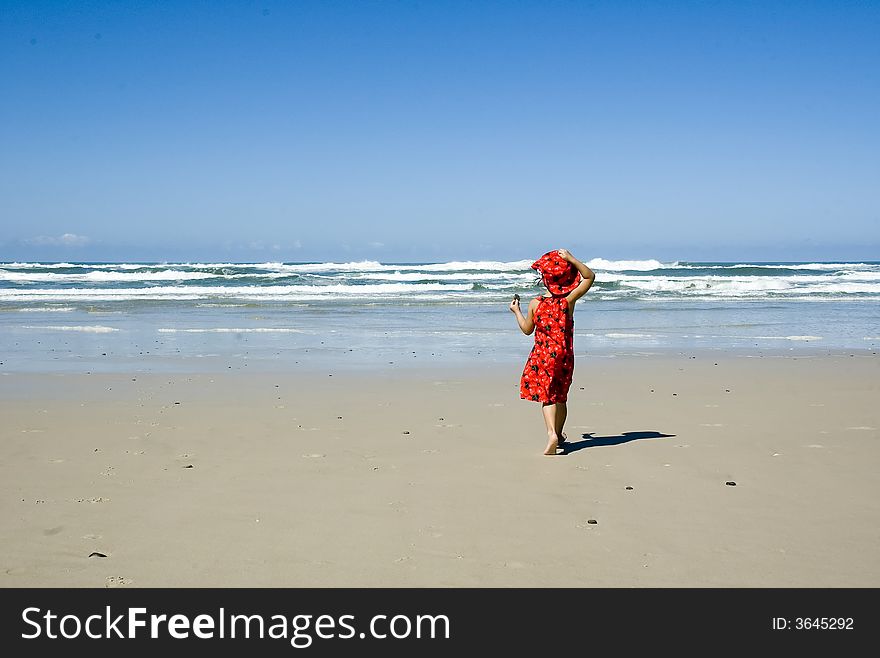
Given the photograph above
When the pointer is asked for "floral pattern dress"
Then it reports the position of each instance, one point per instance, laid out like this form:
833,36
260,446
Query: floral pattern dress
550,366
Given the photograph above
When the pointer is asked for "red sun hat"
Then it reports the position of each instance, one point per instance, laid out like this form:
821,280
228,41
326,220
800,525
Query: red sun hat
560,276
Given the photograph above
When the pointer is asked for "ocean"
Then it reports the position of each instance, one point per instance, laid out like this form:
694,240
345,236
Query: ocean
74,317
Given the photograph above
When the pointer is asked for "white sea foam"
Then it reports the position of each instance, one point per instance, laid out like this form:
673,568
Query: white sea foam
98,276
124,266
216,305
786,337
632,265
449,282
801,266
744,286
47,309
710,285
359,266
211,266
469,276
847,288
38,265
493,266
375,266
258,292
844,282
92,329
233,330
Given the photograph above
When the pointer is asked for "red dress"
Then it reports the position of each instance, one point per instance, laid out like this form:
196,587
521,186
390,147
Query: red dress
549,369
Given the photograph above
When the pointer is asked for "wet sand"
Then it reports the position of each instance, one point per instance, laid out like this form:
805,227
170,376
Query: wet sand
683,470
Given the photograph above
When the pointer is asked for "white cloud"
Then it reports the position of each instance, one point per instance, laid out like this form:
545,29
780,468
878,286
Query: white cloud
66,240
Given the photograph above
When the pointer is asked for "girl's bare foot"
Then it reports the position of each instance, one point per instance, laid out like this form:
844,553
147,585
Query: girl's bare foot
552,445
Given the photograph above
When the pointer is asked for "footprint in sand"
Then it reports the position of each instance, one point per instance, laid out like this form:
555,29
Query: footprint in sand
92,536
117,581
711,424
314,455
53,531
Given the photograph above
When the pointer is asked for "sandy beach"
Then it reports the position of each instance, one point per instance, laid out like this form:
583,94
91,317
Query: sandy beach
435,477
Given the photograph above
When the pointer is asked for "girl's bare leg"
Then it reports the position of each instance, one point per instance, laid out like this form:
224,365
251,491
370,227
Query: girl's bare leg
561,414
549,411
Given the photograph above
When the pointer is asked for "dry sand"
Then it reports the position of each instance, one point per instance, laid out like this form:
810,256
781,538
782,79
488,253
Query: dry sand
436,478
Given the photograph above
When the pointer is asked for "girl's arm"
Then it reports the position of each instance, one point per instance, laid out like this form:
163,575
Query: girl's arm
527,322
587,277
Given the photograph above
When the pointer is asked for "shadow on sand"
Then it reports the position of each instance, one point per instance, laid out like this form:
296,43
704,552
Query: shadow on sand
590,441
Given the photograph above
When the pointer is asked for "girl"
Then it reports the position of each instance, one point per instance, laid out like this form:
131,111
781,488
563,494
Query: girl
547,375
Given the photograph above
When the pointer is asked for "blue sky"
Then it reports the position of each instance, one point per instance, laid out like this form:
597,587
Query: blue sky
410,131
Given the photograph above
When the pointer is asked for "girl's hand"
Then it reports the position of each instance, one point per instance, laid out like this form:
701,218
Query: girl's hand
564,253
514,306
